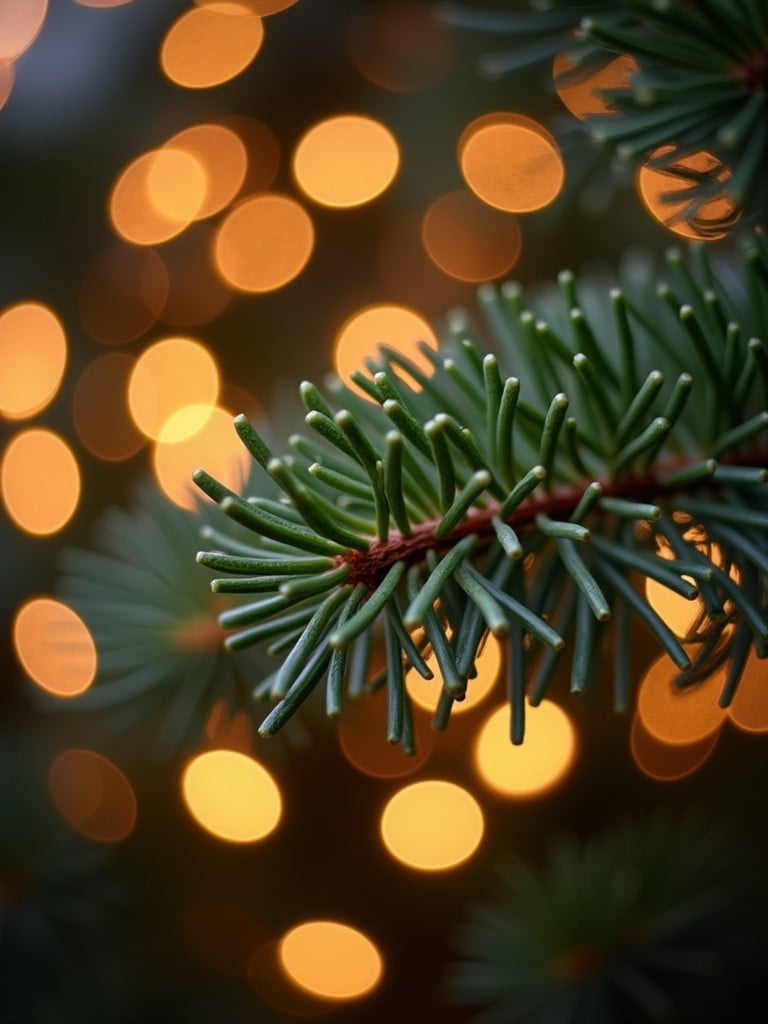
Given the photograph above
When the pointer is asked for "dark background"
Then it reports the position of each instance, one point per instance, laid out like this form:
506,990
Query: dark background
89,96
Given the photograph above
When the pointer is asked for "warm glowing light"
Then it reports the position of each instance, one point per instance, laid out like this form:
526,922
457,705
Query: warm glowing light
399,45
100,398
468,239
654,183
331,960
398,327
196,293
215,446
39,482
432,825
173,374
7,76
426,692
122,294
20,24
346,160
749,707
677,611
144,207
261,7
538,764
33,353
211,44
92,795
511,162
264,243
582,92
667,762
265,976
232,796
362,737
176,184
679,714
407,274
221,155
54,647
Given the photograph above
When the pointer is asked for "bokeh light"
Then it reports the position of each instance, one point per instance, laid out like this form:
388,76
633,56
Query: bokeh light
407,274
172,374
267,977
469,239
211,44
33,354
261,7
668,762
39,481
7,77
177,184
264,243
92,795
398,327
157,196
216,446
54,647
346,160
749,707
196,293
537,764
511,162
122,294
432,825
654,183
679,714
426,692
581,92
231,796
362,736
399,45
221,154
677,611
20,24
100,408
331,960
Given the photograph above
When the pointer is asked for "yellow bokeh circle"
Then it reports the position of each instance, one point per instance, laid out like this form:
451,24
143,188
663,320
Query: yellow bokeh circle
231,796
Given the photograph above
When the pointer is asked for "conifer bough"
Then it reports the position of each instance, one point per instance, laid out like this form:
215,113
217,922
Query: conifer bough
528,492
700,85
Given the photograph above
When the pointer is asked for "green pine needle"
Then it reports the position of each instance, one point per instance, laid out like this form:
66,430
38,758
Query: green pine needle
535,516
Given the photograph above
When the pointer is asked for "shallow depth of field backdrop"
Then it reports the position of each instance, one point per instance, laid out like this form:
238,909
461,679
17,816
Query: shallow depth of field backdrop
201,205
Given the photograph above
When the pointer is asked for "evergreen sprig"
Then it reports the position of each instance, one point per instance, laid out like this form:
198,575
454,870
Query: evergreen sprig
701,85
644,923
527,491
154,621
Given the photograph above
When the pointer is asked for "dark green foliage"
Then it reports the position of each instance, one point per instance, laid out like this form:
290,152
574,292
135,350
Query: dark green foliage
154,621
527,491
701,85
635,926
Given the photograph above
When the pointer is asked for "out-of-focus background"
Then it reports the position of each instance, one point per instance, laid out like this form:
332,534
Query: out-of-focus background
202,204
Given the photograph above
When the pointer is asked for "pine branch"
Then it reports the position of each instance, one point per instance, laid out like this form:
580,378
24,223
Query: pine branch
155,623
653,438
700,85
632,925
